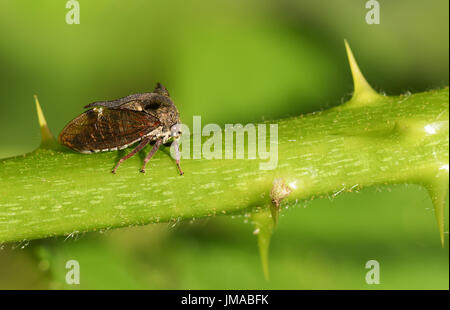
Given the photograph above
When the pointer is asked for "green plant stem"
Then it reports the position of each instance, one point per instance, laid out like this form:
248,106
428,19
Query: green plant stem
371,139
52,191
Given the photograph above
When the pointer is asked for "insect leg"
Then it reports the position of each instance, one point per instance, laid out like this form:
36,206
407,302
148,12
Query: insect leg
152,152
141,145
177,155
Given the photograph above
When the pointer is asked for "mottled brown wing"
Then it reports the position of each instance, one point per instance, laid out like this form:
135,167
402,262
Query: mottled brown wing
107,129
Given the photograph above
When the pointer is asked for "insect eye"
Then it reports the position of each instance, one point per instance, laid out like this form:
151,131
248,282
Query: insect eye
152,106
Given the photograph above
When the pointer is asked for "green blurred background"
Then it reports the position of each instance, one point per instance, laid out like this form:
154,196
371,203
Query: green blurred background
229,61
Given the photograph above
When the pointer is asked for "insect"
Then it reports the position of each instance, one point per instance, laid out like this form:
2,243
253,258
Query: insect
115,125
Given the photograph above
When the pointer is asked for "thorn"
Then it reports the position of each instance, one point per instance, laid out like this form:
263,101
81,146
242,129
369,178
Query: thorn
264,226
47,137
363,92
266,220
275,210
438,193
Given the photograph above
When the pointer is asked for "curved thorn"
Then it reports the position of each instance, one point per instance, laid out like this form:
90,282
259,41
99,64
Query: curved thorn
362,92
438,193
46,135
264,226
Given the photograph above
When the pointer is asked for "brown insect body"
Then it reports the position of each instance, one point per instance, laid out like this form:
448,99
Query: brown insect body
117,124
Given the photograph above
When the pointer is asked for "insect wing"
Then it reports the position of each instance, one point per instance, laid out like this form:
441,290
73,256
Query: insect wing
103,129
115,104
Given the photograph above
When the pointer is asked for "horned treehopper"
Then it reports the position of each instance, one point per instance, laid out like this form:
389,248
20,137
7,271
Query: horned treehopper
115,125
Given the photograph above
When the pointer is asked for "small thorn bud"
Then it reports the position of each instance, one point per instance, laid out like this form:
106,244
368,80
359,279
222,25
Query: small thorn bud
280,190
